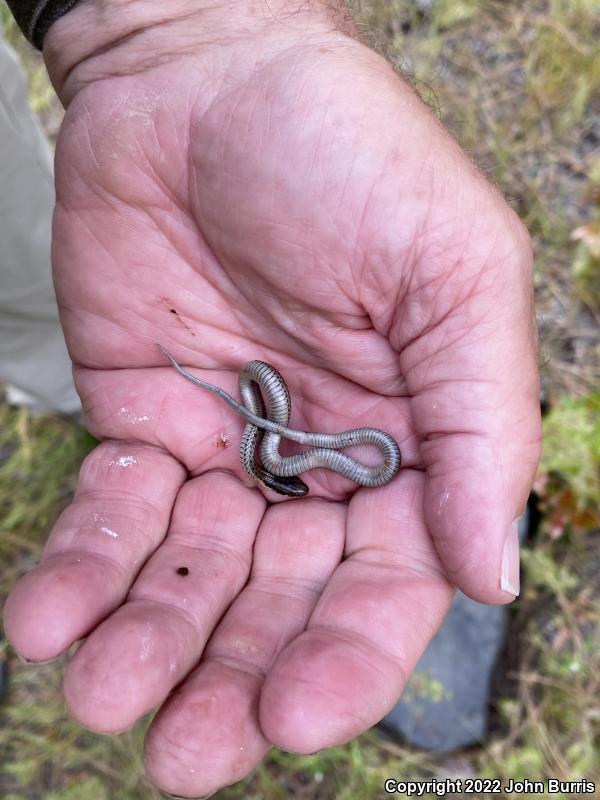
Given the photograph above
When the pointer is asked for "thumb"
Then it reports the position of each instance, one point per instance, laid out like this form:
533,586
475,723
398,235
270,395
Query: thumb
474,388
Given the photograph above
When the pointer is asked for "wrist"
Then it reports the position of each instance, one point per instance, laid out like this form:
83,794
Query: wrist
107,38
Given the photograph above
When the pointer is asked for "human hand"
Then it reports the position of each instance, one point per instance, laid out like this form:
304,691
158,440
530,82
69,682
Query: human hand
268,188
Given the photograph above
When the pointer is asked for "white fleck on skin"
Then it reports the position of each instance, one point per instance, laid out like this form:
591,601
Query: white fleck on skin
108,532
144,106
131,417
146,638
100,521
444,497
145,121
124,461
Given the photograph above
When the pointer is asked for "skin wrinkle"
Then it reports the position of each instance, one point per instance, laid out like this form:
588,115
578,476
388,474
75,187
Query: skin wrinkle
258,659
90,149
474,444
126,40
181,290
318,404
474,279
433,386
87,402
176,750
160,414
446,434
133,531
257,96
105,559
428,303
213,547
465,561
159,221
231,283
363,647
83,224
103,194
408,575
309,110
222,423
208,360
282,587
471,473
127,570
382,312
125,414
364,214
142,602
479,415
419,568
428,366
361,721
93,495
238,663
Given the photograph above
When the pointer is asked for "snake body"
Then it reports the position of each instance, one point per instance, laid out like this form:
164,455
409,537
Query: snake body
265,431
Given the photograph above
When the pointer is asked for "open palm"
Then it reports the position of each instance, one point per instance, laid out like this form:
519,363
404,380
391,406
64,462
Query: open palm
312,214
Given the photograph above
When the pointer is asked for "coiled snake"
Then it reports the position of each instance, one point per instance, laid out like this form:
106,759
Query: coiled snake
265,431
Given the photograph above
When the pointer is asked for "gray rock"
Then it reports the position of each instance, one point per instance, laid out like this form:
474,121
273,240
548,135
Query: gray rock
445,704
425,5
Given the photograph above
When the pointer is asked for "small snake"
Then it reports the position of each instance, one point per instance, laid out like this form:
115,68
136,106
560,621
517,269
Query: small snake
280,472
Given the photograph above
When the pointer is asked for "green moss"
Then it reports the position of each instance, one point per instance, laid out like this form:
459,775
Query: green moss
38,470
563,63
571,451
448,13
544,571
44,748
424,685
586,262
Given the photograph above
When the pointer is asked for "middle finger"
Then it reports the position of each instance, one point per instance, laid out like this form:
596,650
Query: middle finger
207,734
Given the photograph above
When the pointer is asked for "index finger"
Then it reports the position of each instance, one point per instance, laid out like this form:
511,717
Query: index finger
119,515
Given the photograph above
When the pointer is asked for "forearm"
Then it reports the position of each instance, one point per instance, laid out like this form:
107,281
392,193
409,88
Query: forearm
102,38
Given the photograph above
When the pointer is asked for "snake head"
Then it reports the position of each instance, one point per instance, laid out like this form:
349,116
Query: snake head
291,487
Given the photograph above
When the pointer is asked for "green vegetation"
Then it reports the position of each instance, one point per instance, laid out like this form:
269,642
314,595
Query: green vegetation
39,462
569,474
42,98
519,85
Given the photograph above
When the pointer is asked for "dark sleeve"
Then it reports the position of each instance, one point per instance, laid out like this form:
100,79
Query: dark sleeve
35,17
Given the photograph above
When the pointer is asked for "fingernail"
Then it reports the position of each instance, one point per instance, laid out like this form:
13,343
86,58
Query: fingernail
30,663
509,572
